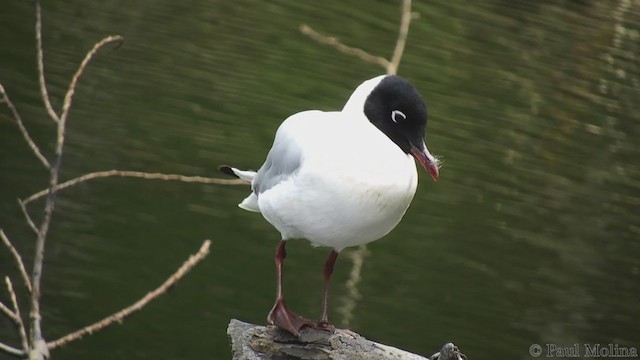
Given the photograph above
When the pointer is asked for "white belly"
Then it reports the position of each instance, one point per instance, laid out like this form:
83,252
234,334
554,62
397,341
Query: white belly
339,207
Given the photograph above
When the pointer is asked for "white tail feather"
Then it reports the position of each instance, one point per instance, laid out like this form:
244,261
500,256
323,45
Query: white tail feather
250,203
246,175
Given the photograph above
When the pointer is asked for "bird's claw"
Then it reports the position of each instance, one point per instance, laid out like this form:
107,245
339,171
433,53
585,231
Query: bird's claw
286,319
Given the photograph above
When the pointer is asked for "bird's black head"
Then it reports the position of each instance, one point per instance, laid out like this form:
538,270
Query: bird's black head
397,109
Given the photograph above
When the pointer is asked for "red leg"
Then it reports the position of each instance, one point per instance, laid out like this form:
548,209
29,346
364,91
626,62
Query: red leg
281,254
279,314
328,270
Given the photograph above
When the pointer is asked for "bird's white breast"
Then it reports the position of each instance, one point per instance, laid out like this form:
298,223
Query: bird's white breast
353,185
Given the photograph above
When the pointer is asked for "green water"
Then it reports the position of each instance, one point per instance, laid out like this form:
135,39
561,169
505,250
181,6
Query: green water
530,236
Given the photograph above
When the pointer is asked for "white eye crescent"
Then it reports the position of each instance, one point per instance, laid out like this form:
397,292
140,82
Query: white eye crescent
397,115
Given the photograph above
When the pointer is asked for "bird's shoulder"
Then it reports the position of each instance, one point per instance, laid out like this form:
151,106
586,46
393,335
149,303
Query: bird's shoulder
307,124
316,130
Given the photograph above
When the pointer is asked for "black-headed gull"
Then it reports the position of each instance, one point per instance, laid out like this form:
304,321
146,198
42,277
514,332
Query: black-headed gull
341,178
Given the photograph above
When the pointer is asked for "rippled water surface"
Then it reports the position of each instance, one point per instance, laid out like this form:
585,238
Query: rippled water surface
530,236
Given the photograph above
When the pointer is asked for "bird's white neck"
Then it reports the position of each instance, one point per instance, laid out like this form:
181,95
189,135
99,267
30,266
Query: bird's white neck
356,102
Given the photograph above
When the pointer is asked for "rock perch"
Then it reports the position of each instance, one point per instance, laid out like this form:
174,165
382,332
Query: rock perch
256,342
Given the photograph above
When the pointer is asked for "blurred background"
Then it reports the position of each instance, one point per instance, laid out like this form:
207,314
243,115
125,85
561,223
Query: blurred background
530,236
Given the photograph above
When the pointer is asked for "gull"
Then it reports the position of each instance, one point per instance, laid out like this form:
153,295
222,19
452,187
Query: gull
340,178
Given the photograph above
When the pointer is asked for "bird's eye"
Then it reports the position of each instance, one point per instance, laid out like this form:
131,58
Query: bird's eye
397,116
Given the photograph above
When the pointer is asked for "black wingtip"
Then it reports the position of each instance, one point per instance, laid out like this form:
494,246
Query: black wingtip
226,169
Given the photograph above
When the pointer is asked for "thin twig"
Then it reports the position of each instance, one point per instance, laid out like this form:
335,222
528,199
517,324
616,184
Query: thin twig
124,313
40,56
25,212
5,309
16,116
390,66
17,258
17,319
14,317
336,44
137,174
405,20
11,350
68,98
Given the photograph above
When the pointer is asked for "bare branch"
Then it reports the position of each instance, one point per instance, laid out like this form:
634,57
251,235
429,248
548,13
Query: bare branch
68,98
36,275
336,44
11,350
16,116
390,66
124,313
43,84
14,315
405,20
35,316
137,174
39,348
17,258
5,309
17,319
25,212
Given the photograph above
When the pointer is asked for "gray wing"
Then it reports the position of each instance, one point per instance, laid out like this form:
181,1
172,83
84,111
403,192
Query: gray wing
283,161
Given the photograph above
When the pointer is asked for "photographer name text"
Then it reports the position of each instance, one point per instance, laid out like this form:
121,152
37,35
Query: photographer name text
583,350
